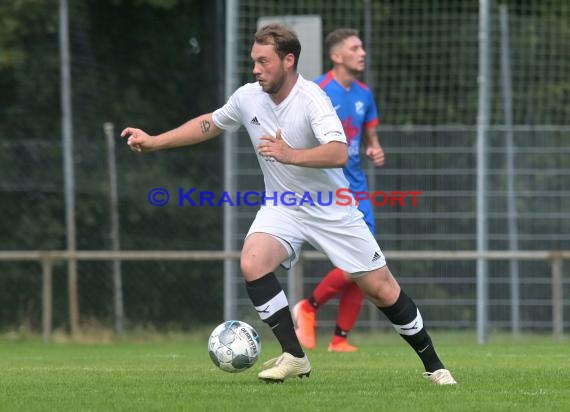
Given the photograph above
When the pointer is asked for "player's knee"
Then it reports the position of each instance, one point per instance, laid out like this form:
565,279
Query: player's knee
253,268
381,287
247,267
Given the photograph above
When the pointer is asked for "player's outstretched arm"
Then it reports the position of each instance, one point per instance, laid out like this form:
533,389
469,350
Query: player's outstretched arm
192,132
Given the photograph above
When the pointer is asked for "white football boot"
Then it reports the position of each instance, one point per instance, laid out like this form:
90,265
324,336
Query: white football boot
285,366
440,377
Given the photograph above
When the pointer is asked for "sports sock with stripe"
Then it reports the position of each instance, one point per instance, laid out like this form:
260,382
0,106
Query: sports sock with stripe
408,322
272,306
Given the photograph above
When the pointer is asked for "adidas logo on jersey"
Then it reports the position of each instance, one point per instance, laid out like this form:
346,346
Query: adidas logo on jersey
375,257
255,121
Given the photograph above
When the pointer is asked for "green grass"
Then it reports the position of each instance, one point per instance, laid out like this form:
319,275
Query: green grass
525,374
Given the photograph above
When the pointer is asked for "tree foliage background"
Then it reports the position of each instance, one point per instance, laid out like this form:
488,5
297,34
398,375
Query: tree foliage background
152,64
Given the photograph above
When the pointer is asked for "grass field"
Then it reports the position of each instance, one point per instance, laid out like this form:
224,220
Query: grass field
529,373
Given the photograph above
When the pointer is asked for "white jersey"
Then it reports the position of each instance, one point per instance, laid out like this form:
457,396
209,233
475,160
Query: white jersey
306,119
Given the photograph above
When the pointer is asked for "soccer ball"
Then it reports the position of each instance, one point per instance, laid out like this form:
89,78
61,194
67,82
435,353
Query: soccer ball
234,346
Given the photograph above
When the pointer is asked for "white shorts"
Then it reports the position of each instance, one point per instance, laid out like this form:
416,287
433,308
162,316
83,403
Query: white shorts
348,242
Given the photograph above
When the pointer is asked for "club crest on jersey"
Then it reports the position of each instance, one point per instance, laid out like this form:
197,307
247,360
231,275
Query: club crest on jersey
359,107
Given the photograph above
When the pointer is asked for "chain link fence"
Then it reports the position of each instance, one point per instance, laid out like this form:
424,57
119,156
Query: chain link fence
423,69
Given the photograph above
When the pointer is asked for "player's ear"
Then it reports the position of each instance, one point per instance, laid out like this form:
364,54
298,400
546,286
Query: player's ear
289,60
335,57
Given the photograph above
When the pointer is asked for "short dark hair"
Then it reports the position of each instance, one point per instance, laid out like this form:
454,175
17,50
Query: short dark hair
283,38
338,36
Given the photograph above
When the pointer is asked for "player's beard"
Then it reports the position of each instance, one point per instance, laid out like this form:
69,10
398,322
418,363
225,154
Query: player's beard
275,86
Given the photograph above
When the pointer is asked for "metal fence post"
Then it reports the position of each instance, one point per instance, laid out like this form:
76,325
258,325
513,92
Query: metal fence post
509,162
47,298
68,169
109,130
231,268
295,282
481,206
557,296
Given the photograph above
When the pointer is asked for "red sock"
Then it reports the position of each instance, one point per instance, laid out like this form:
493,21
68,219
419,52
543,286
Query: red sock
333,283
349,308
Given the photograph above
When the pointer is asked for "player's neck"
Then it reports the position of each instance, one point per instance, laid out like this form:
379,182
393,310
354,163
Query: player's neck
285,89
343,77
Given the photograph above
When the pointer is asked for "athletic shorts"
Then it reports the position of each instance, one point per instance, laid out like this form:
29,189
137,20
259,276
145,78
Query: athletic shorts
365,206
348,242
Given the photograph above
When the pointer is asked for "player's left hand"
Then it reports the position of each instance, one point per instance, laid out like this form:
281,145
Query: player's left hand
376,154
274,147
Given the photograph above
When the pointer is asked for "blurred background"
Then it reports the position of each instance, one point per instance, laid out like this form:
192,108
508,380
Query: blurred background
465,89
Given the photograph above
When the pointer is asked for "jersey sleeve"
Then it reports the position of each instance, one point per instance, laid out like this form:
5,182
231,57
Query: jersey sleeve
371,116
324,120
228,116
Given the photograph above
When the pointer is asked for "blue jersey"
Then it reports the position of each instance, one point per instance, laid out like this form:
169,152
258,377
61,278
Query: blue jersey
357,111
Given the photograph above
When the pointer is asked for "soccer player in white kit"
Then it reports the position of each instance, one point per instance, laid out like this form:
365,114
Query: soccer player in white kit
301,148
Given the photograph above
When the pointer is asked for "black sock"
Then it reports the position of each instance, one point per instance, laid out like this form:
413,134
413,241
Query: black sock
338,331
271,304
313,302
407,320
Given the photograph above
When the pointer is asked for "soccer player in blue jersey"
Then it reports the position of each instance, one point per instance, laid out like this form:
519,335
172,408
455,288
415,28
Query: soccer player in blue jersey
355,106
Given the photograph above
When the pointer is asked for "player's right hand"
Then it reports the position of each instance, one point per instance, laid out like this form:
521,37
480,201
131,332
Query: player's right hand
376,154
137,139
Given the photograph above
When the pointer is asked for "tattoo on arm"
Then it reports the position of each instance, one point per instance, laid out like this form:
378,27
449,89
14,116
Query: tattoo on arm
205,126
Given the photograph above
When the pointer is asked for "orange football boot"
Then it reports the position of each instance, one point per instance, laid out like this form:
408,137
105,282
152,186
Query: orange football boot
304,316
341,345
